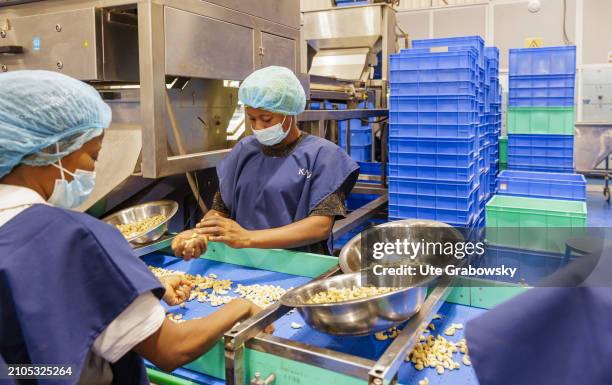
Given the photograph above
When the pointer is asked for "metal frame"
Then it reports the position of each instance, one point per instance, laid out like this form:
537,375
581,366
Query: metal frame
250,335
359,216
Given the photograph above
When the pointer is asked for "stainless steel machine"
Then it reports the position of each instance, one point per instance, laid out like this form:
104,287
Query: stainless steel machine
167,68
345,42
343,48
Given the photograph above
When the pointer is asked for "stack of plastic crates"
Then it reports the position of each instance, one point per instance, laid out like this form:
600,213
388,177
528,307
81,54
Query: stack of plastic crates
434,126
541,109
494,114
361,133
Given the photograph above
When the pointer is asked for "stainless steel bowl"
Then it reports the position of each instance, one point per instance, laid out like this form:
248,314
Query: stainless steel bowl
411,229
144,211
356,317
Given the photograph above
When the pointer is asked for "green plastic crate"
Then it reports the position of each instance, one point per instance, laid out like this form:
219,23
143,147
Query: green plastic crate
511,221
541,120
503,151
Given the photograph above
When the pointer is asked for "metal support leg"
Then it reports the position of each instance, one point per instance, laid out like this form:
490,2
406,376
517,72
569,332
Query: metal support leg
388,364
348,137
322,129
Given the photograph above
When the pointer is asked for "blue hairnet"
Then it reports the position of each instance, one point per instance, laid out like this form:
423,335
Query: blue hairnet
274,89
45,116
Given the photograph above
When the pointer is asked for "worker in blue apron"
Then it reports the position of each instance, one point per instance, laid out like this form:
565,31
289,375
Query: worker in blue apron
280,187
72,292
558,333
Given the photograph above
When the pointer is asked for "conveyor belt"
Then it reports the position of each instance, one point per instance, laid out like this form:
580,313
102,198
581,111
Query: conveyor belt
238,274
365,346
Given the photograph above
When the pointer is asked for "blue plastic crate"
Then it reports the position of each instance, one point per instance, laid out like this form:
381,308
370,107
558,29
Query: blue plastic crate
433,145
493,157
439,160
452,217
485,153
542,185
432,201
458,174
433,104
426,60
361,153
541,151
557,141
493,136
482,142
434,89
518,167
370,168
543,61
494,95
542,82
438,188
492,54
432,130
355,201
484,195
429,76
533,266
541,101
476,42
549,162
355,124
433,117
542,91
358,138
483,129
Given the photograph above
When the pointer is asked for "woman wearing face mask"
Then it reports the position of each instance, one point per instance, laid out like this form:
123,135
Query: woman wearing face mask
280,187
71,290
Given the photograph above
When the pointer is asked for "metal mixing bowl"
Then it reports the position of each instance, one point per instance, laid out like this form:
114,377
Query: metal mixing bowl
143,211
360,316
411,229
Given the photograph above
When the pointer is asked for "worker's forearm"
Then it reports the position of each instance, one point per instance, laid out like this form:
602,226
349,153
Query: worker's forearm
198,336
175,345
301,233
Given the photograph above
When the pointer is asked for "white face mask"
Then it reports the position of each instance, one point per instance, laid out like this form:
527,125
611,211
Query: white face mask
70,195
273,134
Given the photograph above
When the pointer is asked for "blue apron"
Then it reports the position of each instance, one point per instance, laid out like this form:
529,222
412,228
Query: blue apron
263,192
64,276
549,335
4,370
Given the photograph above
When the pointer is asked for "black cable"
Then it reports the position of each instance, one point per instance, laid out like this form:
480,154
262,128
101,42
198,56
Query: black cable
186,223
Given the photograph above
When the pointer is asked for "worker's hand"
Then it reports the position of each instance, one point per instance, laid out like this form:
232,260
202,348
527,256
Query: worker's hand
178,289
189,245
225,230
252,310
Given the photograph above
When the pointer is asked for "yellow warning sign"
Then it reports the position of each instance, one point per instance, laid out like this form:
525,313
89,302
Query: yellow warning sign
534,42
